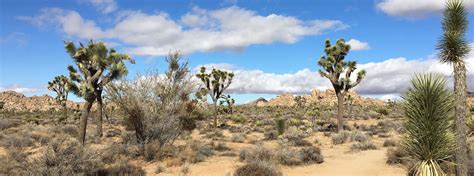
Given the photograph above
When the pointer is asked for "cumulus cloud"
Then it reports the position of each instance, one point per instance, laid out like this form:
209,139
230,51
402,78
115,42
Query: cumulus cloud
200,30
70,22
415,9
357,45
104,6
18,88
384,80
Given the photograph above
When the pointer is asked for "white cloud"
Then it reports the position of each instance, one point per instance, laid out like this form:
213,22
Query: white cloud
70,22
384,80
104,6
18,88
357,45
199,30
415,8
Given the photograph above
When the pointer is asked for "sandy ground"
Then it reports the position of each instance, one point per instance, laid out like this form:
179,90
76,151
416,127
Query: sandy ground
339,160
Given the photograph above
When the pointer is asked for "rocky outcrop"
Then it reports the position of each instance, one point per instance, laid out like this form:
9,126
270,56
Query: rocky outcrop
17,101
327,97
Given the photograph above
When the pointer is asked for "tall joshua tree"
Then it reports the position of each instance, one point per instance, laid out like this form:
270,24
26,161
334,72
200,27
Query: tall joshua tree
454,47
215,83
61,85
339,73
428,139
96,67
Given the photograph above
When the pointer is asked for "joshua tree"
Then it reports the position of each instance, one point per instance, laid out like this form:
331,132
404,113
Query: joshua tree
230,103
334,67
428,139
97,67
453,48
300,101
215,83
61,85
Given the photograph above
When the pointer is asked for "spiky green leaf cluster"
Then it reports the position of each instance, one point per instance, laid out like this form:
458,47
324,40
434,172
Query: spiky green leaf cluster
96,67
454,45
215,83
336,69
428,105
61,85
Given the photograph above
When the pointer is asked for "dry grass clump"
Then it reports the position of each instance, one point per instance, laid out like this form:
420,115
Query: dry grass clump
258,168
397,156
17,140
6,123
259,162
64,156
270,135
390,143
296,137
13,163
305,155
358,136
238,137
340,138
122,168
367,145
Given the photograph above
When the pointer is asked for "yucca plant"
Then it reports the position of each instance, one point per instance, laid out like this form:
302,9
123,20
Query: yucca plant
428,106
280,125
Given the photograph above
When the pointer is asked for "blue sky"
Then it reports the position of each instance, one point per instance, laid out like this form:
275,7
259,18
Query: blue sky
272,46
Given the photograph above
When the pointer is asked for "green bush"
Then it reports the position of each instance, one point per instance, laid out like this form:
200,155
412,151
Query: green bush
280,126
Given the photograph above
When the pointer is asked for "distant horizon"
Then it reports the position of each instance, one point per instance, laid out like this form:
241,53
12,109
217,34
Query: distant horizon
271,46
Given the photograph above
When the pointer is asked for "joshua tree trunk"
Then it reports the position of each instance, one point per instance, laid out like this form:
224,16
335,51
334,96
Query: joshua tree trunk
85,115
65,111
99,116
460,113
340,110
215,114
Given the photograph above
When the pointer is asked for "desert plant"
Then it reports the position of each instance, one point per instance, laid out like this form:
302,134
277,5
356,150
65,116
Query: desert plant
454,47
215,83
280,125
97,66
238,137
230,103
311,155
258,153
390,143
61,86
155,104
397,156
334,66
258,168
366,145
300,101
270,135
427,106
64,156
288,156
340,138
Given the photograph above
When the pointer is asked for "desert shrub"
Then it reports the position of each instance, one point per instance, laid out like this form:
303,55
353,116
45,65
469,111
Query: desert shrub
258,153
237,118
311,155
65,156
270,135
17,140
280,125
159,169
397,156
214,134
294,121
363,146
340,138
152,151
113,152
41,138
8,123
470,123
155,104
359,136
296,137
390,143
288,156
237,137
258,168
382,111
13,163
122,168
70,130
220,147
195,152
